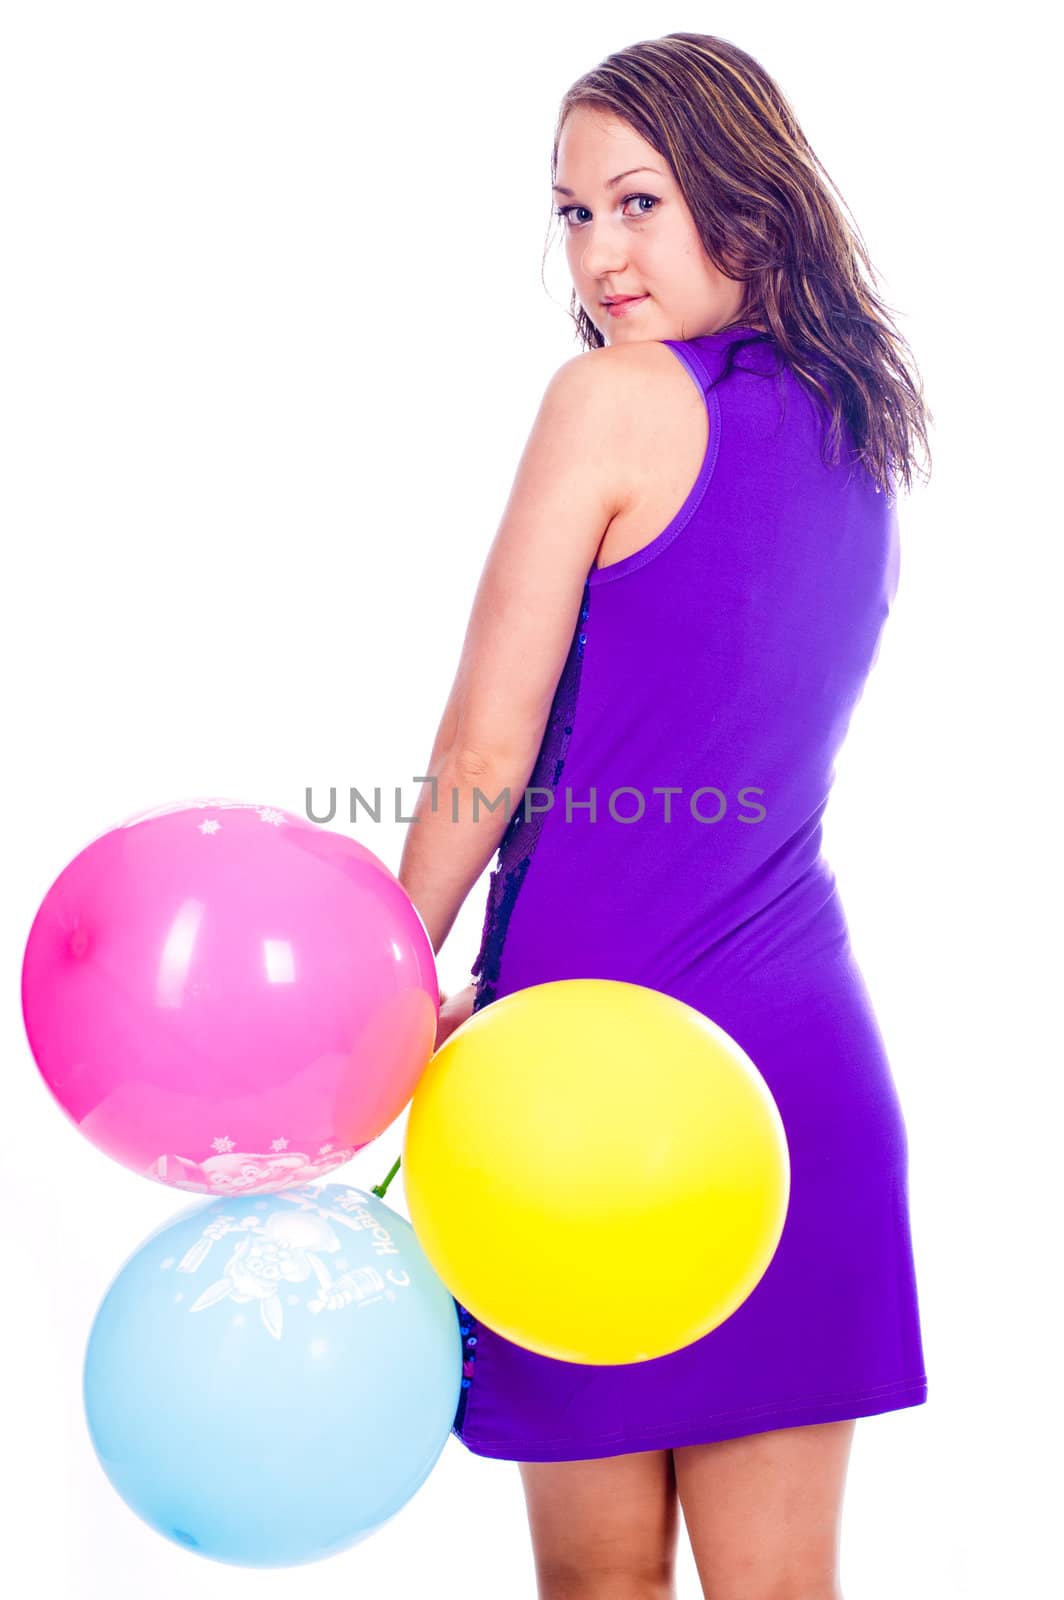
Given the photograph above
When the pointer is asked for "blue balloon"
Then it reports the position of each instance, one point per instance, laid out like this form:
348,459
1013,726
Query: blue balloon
270,1378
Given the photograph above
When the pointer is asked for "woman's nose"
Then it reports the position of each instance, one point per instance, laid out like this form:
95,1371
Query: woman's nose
602,255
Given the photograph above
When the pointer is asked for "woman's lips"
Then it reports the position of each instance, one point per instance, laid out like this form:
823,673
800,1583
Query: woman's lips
617,308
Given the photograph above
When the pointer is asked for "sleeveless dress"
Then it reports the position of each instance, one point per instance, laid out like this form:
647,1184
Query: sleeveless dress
689,753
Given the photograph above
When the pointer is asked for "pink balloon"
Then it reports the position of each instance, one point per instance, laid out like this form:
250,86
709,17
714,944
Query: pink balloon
228,998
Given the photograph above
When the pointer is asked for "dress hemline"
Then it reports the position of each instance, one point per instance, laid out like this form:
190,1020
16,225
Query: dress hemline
721,1425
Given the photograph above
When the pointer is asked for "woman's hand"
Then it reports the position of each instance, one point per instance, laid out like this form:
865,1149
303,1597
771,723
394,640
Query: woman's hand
454,1010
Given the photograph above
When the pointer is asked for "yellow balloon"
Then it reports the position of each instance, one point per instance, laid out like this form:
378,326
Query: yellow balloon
596,1170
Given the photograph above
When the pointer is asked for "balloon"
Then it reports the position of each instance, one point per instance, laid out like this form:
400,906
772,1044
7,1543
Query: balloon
268,1381
228,998
596,1170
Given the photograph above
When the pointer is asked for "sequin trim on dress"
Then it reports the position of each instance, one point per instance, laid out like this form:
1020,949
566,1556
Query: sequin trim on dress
515,852
521,835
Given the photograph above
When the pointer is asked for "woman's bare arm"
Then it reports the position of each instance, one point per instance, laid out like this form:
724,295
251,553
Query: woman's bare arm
570,482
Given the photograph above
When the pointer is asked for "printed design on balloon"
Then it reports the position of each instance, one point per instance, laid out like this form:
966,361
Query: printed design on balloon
232,1171
289,1247
267,813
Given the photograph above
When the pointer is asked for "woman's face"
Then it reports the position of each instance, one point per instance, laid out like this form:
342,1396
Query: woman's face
635,236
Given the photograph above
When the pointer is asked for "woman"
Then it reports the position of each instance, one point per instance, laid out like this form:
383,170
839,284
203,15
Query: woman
673,626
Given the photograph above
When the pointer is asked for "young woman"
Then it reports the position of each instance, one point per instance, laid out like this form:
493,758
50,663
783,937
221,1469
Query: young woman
673,626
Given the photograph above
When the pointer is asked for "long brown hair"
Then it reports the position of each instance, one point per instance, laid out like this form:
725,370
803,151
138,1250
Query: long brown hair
767,216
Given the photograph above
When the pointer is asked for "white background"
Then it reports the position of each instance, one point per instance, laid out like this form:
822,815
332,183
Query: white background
273,337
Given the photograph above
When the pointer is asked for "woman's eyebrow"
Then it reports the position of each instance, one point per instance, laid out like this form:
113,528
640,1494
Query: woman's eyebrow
559,188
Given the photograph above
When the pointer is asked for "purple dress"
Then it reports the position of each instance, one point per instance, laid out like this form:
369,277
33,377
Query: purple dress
707,691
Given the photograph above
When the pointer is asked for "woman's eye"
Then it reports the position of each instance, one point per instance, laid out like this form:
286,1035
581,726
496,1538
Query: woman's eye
565,211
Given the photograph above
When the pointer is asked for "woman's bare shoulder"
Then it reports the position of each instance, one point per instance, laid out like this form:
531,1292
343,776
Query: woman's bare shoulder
646,401
646,362
657,424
